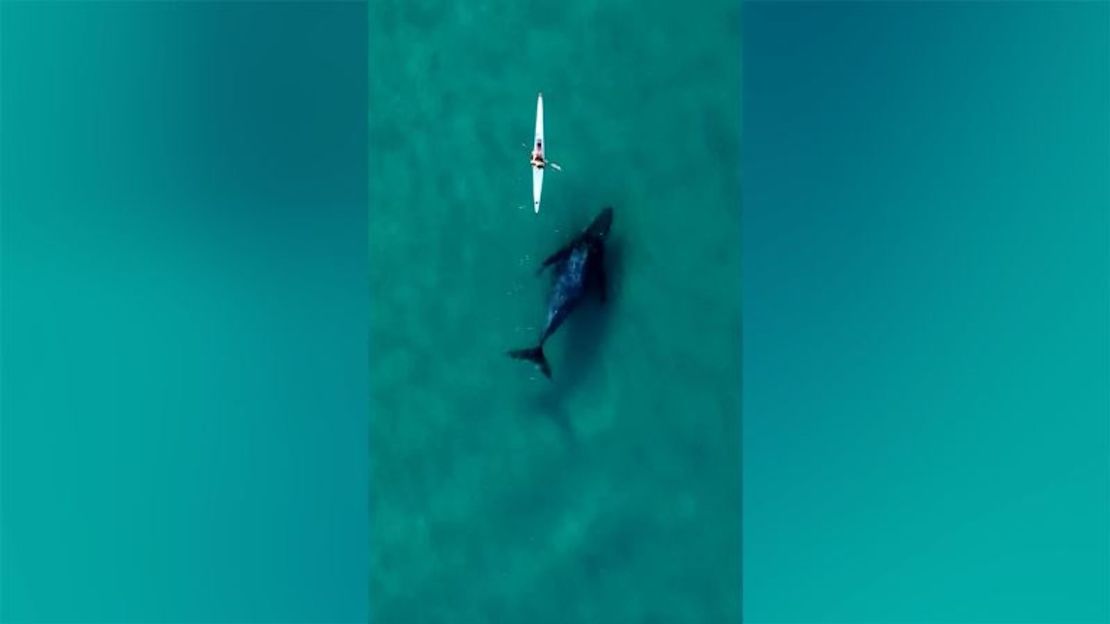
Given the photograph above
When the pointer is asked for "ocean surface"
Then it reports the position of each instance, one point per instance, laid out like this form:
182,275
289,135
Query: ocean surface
612,492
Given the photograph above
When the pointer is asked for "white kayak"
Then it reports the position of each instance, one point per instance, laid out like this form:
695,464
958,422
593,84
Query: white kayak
537,146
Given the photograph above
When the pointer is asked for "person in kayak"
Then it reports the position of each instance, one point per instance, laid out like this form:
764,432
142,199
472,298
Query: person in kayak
537,156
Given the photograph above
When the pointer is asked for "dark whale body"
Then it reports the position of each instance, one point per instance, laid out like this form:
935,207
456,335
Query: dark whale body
579,268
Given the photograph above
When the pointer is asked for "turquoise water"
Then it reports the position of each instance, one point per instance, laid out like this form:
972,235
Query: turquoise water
926,294
612,492
185,400
183,405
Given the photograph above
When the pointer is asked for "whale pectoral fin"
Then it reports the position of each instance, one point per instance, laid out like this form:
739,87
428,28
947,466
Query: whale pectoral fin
555,258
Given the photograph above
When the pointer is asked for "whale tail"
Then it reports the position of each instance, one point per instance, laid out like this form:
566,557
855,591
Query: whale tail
534,355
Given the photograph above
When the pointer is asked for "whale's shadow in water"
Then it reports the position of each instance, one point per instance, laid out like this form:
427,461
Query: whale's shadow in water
583,337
